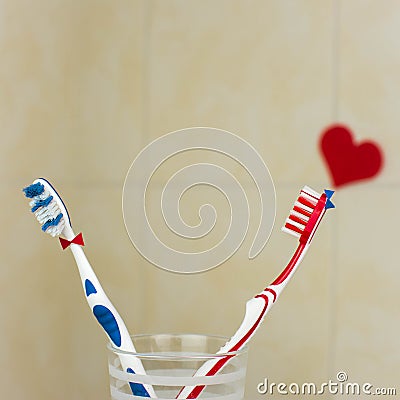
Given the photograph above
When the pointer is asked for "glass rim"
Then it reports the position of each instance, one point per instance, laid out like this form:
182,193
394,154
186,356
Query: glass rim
175,355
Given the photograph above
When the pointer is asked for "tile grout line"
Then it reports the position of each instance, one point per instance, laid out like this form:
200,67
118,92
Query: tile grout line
332,284
145,134
335,58
146,60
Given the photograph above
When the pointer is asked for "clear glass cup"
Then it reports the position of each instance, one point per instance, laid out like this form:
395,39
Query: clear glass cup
170,361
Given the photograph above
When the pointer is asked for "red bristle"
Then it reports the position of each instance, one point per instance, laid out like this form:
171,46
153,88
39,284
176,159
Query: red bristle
306,202
297,219
293,228
302,211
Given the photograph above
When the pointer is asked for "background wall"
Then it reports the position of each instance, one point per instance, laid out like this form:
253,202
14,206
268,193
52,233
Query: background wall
86,84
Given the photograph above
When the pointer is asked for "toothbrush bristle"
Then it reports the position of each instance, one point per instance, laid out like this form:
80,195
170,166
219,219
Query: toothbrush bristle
303,208
33,190
45,208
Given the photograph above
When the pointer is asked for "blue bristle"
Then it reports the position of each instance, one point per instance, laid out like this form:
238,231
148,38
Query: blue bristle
33,190
42,203
52,222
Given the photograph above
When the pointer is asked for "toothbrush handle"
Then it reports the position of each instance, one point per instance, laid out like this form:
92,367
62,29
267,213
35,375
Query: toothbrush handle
256,310
99,303
110,320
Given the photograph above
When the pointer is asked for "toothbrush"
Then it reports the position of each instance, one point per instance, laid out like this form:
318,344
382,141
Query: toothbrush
302,222
52,214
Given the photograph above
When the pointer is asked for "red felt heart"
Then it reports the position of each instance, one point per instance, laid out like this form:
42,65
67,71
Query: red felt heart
349,161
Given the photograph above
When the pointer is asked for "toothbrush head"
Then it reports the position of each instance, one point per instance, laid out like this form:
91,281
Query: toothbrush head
48,207
307,213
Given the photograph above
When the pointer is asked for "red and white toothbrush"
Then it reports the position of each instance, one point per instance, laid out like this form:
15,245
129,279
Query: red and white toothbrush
302,222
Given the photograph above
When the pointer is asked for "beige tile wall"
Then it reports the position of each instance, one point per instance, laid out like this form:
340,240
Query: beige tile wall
86,85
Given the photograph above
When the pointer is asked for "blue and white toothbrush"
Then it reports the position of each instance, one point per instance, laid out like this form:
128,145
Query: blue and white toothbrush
52,214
